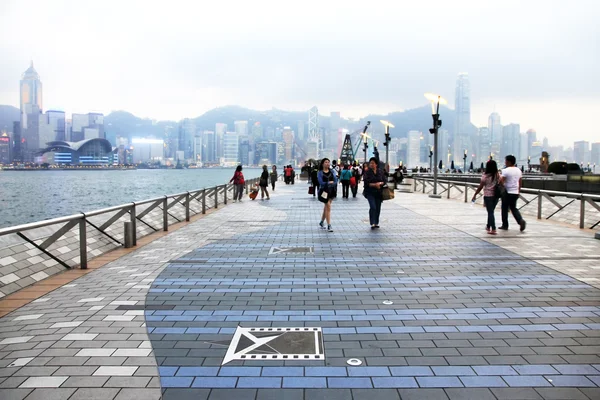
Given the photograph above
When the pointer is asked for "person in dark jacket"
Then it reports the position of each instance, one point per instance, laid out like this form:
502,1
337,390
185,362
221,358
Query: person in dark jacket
273,176
314,178
328,181
374,179
264,183
345,179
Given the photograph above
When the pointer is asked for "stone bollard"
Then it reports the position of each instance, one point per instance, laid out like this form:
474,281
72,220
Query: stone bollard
128,234
597,236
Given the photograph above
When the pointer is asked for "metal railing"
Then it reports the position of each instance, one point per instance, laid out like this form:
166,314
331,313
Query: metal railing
425,185
188,204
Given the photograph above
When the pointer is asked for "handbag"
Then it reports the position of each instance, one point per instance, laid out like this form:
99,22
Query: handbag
387,193
499,190
323,196
353,181
311,190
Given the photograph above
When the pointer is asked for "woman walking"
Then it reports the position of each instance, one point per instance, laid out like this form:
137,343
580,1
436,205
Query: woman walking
374,179
328,182
314,178
273,176
238,184
345,179
489,180
264,183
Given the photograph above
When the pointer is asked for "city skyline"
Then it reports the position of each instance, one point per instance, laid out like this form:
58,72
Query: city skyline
541,76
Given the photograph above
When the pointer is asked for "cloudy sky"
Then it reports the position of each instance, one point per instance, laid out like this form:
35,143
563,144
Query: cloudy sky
534,62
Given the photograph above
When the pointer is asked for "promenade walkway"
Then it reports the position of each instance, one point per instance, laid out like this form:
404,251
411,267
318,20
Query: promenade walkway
254,302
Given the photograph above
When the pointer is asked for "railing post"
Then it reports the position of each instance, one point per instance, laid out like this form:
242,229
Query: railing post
581,212
187,207
203,201
127,235
423,183
415,182
216,197
466,193
225,194
539,213
82,243
133,225
449,188
165,214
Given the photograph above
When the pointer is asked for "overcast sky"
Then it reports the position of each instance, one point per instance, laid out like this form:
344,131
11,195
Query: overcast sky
536,63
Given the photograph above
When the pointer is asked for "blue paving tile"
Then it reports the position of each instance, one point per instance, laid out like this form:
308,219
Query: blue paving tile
438,381
570,380
214,382
240,371
167,371
482,381
494,370
259,382
373,330
304,382
395,382
338,331
169,330
305,318
282,371
325,371
526,381
535,369
452,371
203,330
407,329
226,331
411,371
179,318
198,371
350,383
289,312
576,369
369,371
174,381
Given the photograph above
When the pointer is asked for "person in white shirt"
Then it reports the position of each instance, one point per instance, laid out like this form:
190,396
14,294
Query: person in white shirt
512,179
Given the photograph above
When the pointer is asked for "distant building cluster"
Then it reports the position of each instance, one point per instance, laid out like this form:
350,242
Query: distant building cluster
49,137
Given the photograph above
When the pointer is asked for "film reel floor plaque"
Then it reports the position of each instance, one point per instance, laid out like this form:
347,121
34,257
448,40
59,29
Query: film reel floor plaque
289,344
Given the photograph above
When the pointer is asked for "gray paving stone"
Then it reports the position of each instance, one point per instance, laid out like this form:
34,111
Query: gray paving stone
422,394
327,394
561,393
277,394
470,394
14,394
94,394
516,394
50,394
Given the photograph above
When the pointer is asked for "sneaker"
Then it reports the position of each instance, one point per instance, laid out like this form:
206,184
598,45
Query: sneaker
487,228
329,228
268,198
504,228
493,232
234,200
322,225
376,226
523,225
372,226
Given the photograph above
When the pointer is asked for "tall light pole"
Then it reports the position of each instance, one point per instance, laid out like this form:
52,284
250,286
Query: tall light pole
387,125
435,101
366,144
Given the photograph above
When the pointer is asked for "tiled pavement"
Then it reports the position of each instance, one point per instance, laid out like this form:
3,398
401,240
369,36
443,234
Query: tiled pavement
472,317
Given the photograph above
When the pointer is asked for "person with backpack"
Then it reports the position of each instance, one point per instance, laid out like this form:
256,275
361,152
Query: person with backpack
512,178
264,183
273,176
354,181
489,182
328,181
345,179
238,184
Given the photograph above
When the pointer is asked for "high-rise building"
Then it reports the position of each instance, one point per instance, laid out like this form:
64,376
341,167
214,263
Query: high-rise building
581,152
511,140
209,154
265,153
245,153
485,146
31,107
524,149
335,121
51,127
5,148
595,154
241,127
147,149
413,152
531,139
231,149
87,126
462,104
495,129
442,150
301,132
16,154
220,130
288,140
187,133
314,134
197,148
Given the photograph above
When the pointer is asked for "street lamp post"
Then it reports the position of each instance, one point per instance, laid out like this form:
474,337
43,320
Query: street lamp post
529,163
388,125
437,122
465,161
366,144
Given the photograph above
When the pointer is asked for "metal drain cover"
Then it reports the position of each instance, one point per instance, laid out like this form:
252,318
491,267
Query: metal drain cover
355,362
265,344
297,250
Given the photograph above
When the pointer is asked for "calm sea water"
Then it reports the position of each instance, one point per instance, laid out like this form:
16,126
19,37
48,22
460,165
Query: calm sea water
29,196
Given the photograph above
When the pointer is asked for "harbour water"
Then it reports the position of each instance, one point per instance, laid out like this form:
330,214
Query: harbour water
29,196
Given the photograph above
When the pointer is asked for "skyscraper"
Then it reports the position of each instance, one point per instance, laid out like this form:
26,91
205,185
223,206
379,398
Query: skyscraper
413,151
485,145
5,149
581,151
208,147
241,127
462,104
495,129
220,130
288,140
231,149
511,141
87,126
595,154
31,107
531,139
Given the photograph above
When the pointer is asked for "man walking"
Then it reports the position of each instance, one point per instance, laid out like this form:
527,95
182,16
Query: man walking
512,179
